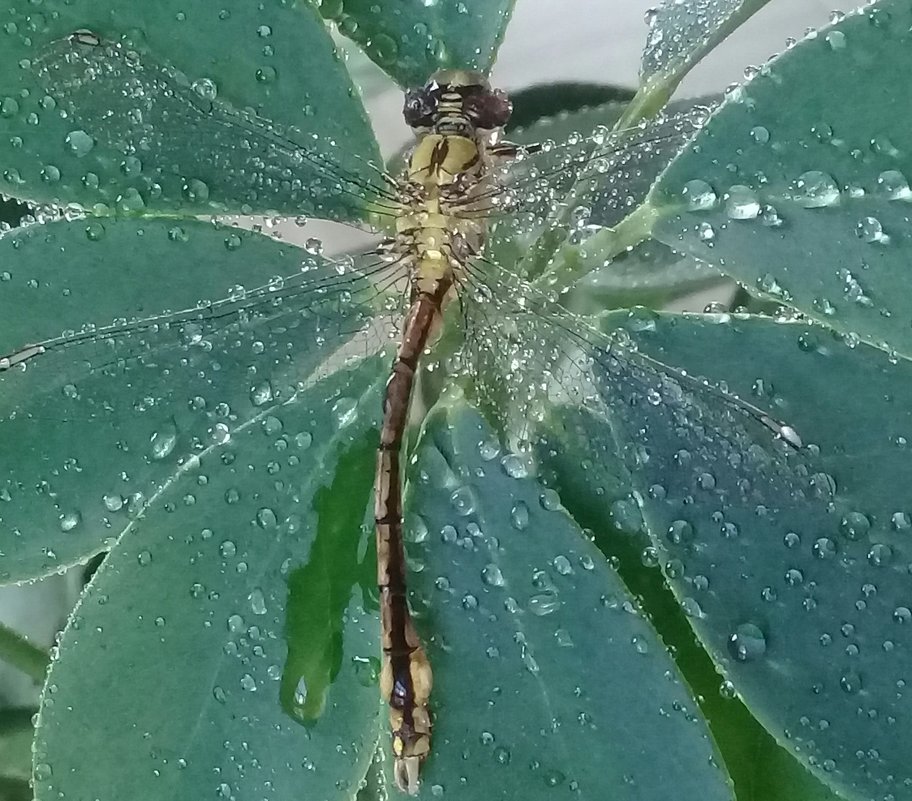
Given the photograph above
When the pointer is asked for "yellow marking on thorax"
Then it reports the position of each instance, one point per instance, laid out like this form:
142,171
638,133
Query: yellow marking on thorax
437,159
435,163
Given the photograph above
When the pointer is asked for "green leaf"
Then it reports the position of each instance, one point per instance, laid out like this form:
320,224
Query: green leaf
547,679
759,768
650,274
16,732
118,126
181,635
16,650
107,417
681,33
411,40
802,178
545,102
791,564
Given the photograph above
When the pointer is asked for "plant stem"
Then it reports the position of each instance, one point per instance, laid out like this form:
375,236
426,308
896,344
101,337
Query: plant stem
20,653
650,98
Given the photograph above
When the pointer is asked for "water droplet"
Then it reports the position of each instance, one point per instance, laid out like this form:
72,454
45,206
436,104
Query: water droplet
760,134
893,184
69,520
196,190
266,518
519,516
144,558
544,604
850,682
562,565
463,500
854,525
880,555
815,189
502,755
824,548
261,393
741,203
835,39
163,441
699,196
747,643
248,683
79,143
869,230
492,574
345,412
550,500
257,601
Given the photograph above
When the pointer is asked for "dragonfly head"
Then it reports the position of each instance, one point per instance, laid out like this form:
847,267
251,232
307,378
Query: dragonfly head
458,102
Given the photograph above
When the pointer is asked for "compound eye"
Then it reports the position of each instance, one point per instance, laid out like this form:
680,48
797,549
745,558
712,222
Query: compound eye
490,109
420,107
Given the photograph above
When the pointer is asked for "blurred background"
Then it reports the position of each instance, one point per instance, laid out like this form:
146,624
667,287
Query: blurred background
596,41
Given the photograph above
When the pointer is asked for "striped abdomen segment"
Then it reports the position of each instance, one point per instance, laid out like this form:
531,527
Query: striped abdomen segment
405,679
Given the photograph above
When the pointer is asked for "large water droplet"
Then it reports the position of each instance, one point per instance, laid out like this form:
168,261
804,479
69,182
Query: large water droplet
747,643
815,189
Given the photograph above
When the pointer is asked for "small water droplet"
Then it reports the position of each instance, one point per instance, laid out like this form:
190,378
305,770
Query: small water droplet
492,574
257,601
519,516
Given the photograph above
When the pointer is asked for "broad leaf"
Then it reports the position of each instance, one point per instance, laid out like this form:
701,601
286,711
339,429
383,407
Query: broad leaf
791,563
799,186
117,125
181,637
107,417
547,678
411,40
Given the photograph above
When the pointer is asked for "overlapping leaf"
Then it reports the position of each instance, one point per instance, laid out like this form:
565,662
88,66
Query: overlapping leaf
183,630
791,563
166,109
799,186
96,428
411,40
517,602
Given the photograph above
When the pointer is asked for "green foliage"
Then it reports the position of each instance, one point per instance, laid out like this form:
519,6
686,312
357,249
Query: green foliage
217,442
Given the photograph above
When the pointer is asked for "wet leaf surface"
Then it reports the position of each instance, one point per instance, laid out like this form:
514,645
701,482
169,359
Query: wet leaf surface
538,648
411,40
799,186
118,125
102,424
182,631
681,32
792,564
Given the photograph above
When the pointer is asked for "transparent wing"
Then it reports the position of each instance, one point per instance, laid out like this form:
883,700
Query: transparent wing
595,177
106,414
180,146
528,354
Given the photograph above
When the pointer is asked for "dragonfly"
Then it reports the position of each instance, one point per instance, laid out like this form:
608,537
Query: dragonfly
434,270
